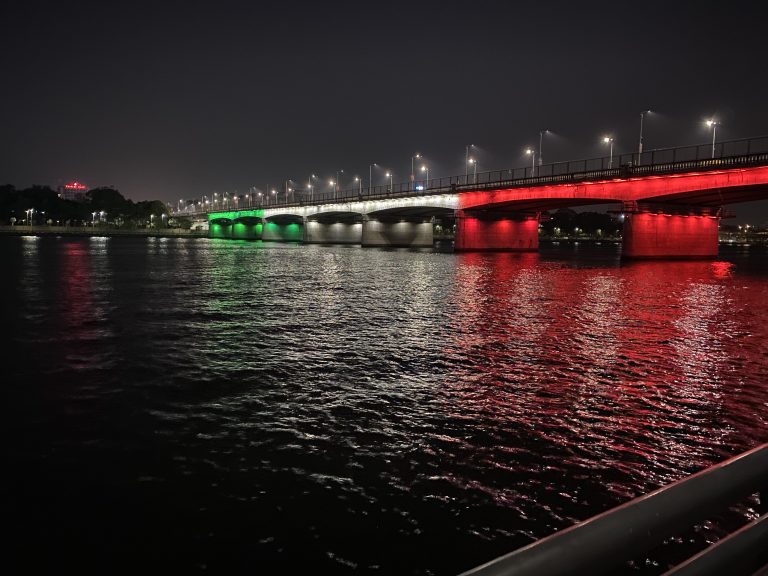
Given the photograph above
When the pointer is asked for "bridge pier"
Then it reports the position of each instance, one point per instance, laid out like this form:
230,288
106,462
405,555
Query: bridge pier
662,235
479,231
401,233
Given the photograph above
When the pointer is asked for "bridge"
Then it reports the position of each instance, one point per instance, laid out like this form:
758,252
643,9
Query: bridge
671,201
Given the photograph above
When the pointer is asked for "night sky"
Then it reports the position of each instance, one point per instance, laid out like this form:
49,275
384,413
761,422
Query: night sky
186,98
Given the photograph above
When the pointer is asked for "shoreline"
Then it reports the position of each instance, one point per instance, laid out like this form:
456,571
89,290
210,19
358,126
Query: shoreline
95,231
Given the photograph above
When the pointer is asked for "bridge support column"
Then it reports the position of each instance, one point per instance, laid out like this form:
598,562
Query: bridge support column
403,233
487,232
344,232
659,235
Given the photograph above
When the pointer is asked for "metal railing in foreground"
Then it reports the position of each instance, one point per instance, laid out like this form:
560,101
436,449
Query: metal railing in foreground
609,539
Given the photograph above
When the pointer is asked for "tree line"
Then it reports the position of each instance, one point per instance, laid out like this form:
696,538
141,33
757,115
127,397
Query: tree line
44,205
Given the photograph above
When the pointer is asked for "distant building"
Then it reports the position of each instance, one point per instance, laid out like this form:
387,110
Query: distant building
73,191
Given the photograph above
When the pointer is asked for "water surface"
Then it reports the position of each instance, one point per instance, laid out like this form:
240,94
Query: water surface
223,406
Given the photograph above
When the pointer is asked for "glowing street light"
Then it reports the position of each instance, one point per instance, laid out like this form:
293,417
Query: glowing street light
609,140
467,161
413,170
532,153
712,123
473,161
425,168
359,185
541,142
389,175
640,143
311,188
274,195
370,177
337,186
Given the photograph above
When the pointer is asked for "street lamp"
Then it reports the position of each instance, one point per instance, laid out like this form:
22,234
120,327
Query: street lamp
274,195
609,140
389,175
337,186
359,185
425,168
713,124
473,161
532,153
93,218
311,190
370,177
541,141
640,143
467,161
413,170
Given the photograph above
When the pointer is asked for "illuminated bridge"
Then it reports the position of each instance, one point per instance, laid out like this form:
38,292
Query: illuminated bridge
671,200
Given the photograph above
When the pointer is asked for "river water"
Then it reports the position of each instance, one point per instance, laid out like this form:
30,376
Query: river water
228,407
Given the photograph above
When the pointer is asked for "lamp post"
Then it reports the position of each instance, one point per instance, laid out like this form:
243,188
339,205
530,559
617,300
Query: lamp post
274,196
541,142
337,186
467,161
413,169
473,161
310,186
608,140
370,177
389,175
712,123
425,168
640,142
532,153
359,185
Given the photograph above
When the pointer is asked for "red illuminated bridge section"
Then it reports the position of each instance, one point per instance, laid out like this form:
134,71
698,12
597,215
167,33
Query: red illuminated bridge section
678,218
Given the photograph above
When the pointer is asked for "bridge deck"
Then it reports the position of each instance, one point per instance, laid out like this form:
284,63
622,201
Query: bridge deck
732,154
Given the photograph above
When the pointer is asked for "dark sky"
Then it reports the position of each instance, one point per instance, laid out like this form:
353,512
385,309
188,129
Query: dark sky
185,98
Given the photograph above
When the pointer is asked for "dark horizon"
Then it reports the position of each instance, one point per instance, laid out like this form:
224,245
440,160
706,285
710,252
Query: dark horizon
178,101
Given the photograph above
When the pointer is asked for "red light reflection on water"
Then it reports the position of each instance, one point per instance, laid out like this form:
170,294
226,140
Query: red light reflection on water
649,369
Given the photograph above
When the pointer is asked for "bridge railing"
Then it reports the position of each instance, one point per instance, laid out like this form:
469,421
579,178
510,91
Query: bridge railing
730,153
601,543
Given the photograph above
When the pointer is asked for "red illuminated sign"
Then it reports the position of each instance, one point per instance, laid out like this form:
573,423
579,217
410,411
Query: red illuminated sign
75,186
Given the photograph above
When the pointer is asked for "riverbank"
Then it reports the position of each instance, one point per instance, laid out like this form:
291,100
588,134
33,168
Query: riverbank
98,231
